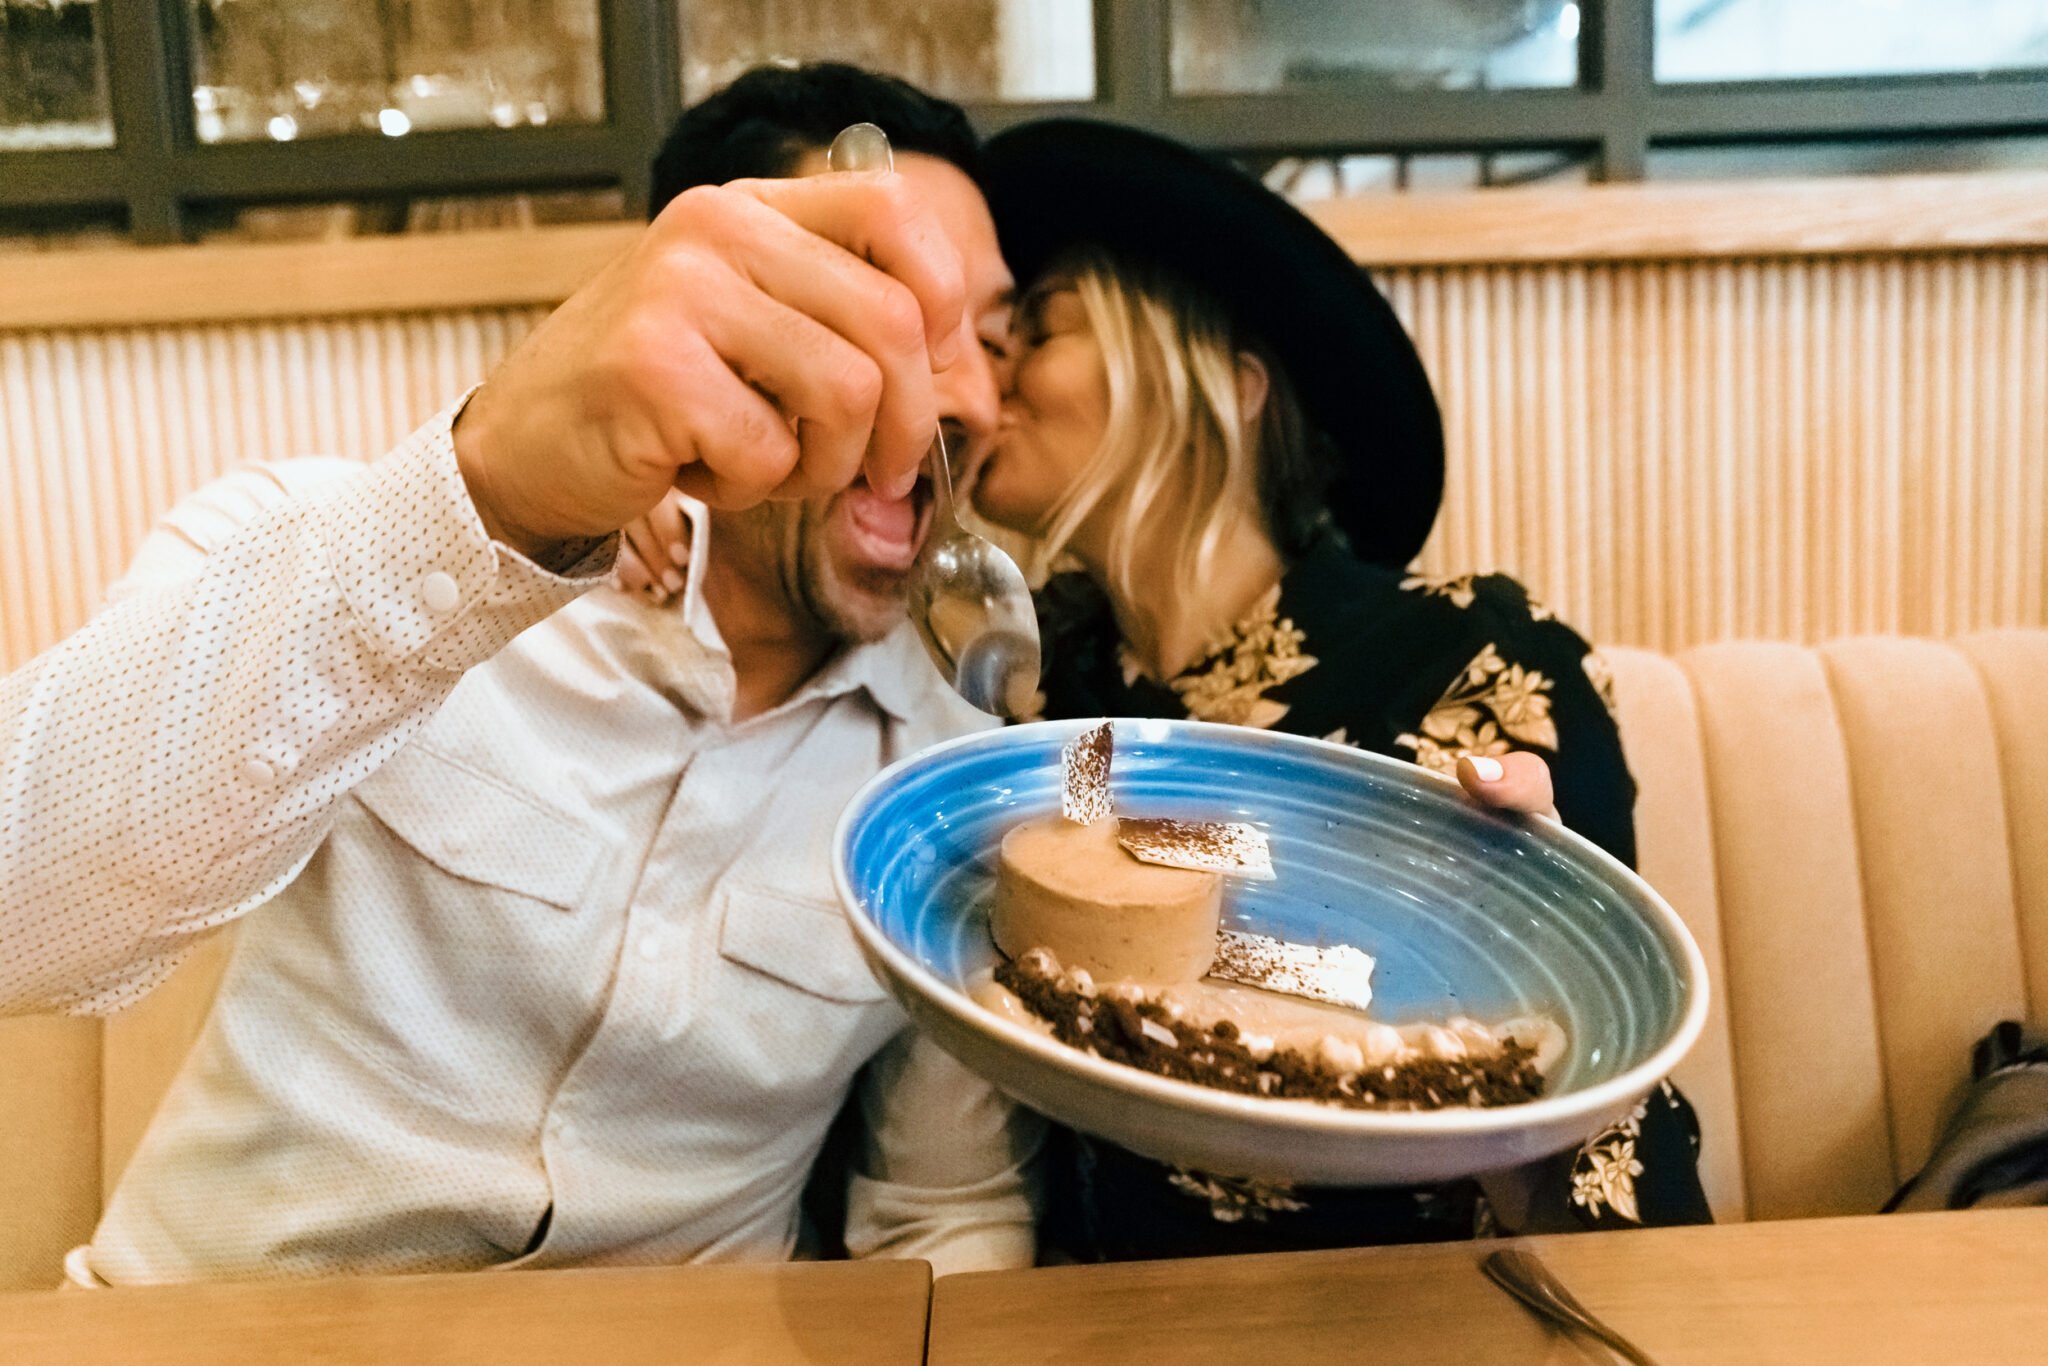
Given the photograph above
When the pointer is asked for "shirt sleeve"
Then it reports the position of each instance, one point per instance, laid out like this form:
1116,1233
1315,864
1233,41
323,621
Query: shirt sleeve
948,1167
177,761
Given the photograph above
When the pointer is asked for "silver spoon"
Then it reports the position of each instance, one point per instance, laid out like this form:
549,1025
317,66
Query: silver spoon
1523,1275
969,601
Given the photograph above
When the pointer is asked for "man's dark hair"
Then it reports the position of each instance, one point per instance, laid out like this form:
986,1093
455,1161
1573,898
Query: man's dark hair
762,124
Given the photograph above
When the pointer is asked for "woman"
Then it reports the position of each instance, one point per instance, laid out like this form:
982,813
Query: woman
1216,425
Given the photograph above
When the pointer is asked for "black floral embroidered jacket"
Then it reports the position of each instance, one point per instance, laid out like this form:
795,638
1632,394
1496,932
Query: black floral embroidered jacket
1427,670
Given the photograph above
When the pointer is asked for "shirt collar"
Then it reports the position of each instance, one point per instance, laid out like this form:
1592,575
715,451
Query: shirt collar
696,613
895,671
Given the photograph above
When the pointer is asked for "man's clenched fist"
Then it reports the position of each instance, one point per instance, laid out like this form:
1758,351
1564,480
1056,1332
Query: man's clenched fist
768,338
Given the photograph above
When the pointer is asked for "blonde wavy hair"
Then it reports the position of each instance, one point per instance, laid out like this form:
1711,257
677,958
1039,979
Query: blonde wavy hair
1177,438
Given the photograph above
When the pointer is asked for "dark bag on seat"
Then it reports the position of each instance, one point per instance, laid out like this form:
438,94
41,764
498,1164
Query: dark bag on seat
1995,1151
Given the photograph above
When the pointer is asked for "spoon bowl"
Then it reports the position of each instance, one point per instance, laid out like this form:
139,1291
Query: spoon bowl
973,610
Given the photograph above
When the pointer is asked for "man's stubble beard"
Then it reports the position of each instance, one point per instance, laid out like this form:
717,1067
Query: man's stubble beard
789,541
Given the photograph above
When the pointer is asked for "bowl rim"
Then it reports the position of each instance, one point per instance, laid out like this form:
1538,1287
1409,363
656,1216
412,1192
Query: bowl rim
1298,1116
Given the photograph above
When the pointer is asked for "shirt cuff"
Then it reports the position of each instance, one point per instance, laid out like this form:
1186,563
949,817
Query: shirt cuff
412,560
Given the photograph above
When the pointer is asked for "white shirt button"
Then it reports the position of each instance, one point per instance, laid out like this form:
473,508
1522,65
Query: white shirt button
259,771
440,592
650,946
561,1129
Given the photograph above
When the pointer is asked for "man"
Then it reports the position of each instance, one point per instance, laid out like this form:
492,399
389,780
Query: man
562,982
126,827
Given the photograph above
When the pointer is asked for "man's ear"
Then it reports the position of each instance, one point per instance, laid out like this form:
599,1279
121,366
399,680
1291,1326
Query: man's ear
1253,384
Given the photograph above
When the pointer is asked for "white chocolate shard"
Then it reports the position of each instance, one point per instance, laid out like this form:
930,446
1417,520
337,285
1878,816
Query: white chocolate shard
1228,847
1338,975
1085,762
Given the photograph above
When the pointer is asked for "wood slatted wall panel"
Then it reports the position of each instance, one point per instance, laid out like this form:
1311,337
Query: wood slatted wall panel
101,431
1674,453
1670,453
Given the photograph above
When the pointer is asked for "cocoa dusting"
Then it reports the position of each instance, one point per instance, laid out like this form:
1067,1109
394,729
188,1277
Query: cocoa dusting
1085,762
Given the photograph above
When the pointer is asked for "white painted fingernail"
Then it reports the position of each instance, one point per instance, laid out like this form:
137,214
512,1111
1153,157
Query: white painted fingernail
679,552
1489,770
674,583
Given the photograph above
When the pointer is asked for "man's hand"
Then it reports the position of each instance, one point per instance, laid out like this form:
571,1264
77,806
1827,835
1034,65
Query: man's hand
1515,781
763,339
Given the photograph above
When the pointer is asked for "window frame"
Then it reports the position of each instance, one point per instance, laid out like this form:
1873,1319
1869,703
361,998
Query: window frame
157,171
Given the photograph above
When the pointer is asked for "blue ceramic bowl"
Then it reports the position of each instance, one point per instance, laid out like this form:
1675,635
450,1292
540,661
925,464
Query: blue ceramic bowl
1468,912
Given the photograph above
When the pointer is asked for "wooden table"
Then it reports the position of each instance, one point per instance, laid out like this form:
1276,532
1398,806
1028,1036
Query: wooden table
833,1314
1919,1289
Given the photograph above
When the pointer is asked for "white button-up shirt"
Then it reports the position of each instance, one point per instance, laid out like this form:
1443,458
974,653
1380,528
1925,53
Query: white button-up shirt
560,981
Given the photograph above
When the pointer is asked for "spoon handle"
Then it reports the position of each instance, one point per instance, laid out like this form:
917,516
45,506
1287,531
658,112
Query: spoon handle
1523,1275
942,486
865,147
861,147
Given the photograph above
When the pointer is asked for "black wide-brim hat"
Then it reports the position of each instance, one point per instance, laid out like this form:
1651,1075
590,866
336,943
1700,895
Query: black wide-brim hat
1060,184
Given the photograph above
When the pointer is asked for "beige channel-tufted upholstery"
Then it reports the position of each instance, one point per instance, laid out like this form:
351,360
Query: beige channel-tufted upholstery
1857,833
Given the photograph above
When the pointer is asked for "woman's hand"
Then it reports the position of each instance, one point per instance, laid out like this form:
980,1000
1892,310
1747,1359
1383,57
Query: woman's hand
1515,781
654,553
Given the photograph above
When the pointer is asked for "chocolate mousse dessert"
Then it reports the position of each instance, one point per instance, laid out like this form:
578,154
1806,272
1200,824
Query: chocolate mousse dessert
1112,941
1077,887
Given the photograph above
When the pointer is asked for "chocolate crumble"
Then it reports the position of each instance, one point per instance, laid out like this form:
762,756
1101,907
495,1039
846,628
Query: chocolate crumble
1140,1031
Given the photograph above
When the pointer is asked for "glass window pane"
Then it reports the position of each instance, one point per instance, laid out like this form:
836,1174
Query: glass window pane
1306,179
53,76
65,229
312,221
286,69
1233,47
1885,156
972,50
1755,40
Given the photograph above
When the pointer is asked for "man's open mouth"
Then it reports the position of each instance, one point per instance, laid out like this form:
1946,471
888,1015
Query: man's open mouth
889,532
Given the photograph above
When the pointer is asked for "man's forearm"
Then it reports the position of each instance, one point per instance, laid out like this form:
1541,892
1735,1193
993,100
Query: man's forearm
948,1170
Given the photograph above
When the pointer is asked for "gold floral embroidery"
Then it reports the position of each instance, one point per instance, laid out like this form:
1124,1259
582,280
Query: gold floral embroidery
1493,706
1233,1200
1458,590
1260,653
1607,1167
1602,678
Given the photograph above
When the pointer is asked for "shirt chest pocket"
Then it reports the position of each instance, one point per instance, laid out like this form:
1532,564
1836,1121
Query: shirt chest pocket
453,933
483,830
793,1010
798,941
